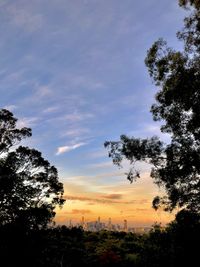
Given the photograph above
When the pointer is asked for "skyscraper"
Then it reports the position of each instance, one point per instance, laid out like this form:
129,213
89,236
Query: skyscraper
125,226
82,221
109,224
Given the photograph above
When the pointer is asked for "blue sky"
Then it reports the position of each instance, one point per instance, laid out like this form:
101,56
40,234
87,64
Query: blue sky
73,71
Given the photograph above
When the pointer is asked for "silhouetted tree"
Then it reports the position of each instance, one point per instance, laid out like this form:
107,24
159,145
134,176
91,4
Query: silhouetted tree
29,186
194,3
176,166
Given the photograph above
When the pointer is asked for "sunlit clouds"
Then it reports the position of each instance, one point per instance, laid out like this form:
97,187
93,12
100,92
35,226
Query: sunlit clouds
65,149
119,200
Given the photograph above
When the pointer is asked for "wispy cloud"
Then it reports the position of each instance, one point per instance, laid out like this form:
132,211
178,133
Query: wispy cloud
105,199
11,107
109,174
113,196
77,116
76,132
24,19
78,211
100,165
43,91
150,129
65,149
50,110
98,154
13,78
27,122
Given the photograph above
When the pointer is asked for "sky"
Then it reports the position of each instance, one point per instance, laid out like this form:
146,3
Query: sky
73,71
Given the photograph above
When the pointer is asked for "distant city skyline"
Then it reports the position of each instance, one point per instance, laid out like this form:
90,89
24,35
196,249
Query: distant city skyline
109,222
99,225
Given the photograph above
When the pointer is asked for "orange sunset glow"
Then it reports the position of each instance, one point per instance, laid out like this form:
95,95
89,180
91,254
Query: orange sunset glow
118,201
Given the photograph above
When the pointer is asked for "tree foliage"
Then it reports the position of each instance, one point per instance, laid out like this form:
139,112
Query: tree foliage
29,186
177,245
186,3
176,165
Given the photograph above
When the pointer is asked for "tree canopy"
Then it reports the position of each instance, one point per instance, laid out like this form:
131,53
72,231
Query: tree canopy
186,3
176,165
29,185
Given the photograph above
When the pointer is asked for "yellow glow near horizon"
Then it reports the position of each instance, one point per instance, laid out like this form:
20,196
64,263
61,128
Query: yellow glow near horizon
117,201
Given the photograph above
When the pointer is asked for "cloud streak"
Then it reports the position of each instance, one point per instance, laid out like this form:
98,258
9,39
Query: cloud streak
65,149
113,196
77,117
24,19
27,122
78,211
105,199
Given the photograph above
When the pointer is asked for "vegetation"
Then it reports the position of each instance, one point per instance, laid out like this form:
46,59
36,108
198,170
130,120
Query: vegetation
176,165
61,246
29,186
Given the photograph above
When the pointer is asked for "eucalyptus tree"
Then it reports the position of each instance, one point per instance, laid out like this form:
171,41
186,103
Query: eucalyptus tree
29,185
176,165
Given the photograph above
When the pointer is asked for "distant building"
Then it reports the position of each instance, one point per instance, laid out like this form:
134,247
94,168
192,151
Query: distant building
125,226
109,224
70,224
95,226
83,224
